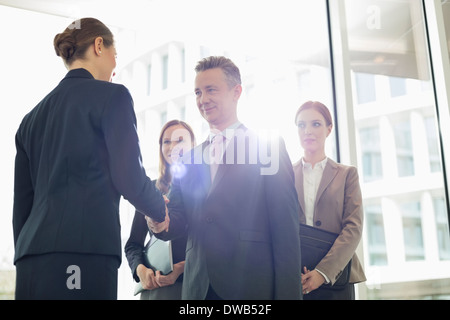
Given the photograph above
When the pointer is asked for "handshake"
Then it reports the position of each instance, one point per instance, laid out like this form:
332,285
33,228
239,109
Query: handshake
158,227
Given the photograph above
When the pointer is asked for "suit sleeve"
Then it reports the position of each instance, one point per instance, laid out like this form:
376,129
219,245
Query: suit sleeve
346,243
178,221
23,189
284,221
134,247
125,160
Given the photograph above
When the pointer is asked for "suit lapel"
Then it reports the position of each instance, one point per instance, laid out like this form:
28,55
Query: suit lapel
299,185
199,178
329,173
224,169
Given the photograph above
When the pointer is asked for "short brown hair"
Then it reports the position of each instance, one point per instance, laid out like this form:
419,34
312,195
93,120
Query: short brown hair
74,41
228,67
319,107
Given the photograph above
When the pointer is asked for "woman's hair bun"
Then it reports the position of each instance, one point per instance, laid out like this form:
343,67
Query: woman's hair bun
65,45
73,42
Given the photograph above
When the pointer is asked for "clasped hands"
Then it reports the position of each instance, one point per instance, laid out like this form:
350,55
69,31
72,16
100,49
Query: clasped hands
311,280
158,227
152,280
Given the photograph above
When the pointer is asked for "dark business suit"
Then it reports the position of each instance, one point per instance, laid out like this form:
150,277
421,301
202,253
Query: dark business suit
77,153
243,233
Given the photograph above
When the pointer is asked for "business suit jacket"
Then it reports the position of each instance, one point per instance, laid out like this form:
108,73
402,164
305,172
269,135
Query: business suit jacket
77,153
243,231
339,209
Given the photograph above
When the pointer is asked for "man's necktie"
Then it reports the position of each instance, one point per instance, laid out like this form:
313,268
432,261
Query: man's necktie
216,153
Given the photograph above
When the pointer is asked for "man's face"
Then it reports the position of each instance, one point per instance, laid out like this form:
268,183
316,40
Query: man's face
216,101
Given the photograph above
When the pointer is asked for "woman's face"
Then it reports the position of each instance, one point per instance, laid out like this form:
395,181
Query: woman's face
109,62
312,130
175,141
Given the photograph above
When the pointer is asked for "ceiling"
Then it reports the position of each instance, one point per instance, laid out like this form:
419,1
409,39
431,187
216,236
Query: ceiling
117,13
383,46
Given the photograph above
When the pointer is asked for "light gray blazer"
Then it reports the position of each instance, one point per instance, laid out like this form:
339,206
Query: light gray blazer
338,209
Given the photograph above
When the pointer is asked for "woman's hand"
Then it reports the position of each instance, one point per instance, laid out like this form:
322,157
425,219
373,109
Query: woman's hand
311,280
168,280
146,277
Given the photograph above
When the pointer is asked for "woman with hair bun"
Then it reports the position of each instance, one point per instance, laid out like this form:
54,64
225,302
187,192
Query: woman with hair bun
77,155
74,43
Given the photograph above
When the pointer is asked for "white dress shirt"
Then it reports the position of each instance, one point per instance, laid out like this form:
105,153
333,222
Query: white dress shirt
227,135
311,181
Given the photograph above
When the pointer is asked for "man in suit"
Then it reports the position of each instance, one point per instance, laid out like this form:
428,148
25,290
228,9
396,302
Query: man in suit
242,222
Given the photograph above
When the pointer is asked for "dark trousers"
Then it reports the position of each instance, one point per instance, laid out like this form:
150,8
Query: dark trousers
212,295
67,276
347,292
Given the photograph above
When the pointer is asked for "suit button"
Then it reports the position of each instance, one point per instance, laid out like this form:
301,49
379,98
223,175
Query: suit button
318,223
209,219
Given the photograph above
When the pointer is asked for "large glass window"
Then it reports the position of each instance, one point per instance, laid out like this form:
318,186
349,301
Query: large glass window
406,225
282,48
412,231
376,240
403,144
446,14
371,153
282,65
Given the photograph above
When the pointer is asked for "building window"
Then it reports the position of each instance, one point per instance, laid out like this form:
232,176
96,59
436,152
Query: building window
397,86
442,228
432,143
365,87
165,71
183,65
388,57
404,146
149,79
163,118
371,154
183,113
446,13
412,231
375,234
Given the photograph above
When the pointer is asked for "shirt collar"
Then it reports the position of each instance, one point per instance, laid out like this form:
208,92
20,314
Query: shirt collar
79,73
227,133
321,164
